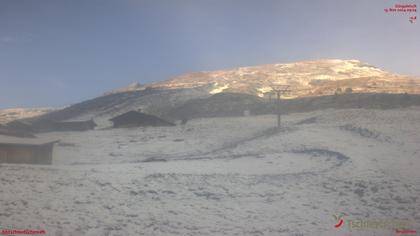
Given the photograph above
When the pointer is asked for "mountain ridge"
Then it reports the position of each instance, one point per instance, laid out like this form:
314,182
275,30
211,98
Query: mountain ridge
306,79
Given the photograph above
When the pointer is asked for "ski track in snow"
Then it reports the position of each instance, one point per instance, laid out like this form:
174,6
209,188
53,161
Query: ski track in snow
224,176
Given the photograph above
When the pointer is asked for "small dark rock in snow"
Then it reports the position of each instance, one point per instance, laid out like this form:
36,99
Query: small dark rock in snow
155,159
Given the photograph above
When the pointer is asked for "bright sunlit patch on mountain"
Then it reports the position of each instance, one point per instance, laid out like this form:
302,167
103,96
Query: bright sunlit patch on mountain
219,89
263,90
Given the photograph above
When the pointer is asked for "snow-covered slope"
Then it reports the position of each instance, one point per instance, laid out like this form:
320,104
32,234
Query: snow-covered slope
226,176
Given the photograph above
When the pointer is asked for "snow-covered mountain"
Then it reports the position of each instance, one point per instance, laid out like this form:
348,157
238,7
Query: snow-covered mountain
306,79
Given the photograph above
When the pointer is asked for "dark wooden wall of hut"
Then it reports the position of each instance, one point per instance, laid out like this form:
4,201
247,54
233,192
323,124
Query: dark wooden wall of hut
26,154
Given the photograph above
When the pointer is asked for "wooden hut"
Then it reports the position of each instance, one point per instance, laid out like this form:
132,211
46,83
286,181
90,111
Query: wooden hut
26,150
17,128
10,132
19,125
52,126
135,118
75,125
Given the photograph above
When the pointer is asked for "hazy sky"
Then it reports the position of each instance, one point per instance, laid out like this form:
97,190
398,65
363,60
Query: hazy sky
55,53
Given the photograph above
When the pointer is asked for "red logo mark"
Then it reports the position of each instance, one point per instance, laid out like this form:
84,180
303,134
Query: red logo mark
339,220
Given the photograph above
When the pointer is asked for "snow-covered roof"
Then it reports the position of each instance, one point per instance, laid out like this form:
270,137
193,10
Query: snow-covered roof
25,141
